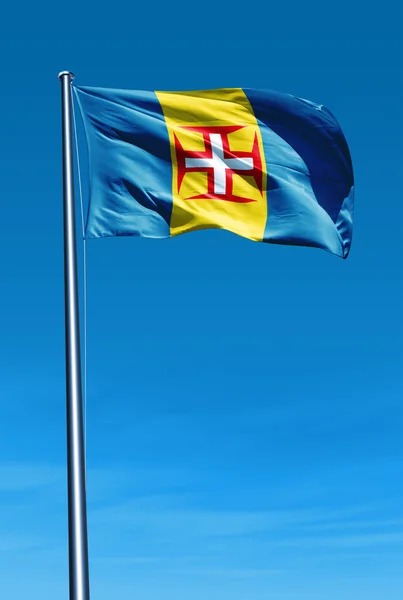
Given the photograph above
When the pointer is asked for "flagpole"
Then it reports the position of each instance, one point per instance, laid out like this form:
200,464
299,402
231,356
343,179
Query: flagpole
77,513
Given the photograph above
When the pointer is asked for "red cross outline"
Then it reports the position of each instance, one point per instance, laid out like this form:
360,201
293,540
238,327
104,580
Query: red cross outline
220,163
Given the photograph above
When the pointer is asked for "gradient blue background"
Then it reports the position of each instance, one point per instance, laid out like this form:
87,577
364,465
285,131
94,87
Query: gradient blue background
244,400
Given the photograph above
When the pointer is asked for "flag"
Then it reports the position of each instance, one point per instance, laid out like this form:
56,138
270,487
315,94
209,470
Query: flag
265,165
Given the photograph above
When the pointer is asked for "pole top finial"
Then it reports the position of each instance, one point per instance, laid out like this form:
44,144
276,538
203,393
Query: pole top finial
69,73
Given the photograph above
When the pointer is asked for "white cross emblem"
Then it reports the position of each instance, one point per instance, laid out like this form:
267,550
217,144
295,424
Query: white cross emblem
219,163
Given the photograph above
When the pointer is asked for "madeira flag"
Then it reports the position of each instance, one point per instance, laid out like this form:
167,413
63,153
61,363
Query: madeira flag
267,166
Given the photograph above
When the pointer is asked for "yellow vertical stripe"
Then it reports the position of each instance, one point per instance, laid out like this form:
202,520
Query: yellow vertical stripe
244,210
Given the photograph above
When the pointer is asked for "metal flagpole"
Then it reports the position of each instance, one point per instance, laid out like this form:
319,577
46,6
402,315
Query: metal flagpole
77,515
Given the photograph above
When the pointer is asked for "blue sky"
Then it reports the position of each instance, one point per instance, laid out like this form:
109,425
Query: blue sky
244,400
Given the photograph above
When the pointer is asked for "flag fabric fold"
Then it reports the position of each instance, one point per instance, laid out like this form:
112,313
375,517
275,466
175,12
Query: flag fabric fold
267,166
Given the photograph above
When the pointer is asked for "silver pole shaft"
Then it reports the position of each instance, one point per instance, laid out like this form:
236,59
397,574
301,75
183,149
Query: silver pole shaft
78,543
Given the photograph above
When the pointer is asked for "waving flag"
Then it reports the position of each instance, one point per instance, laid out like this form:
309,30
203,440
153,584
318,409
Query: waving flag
267,166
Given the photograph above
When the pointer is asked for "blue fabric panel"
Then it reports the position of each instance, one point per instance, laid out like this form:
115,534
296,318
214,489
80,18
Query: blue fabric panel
129,158
309,171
